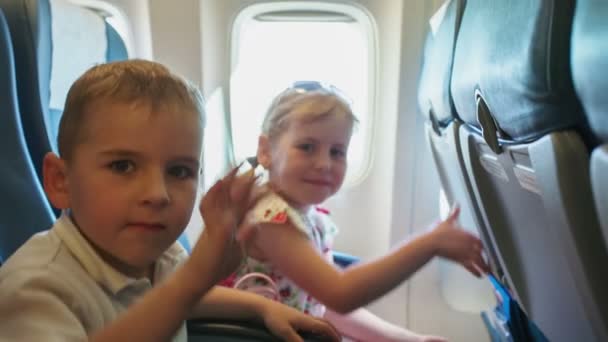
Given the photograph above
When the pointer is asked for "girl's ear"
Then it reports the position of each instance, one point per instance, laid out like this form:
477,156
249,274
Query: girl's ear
55,181
264,155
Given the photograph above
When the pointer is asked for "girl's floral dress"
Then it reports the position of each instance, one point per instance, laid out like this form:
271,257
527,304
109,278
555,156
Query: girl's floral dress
315,224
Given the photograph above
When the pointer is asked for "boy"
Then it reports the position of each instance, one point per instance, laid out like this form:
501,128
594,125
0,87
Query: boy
126,179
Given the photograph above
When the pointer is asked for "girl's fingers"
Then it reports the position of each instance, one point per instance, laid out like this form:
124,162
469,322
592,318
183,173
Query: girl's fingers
323,328
471,268
454,213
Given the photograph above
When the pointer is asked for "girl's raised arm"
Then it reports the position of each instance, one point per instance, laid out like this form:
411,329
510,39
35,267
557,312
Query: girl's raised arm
345,290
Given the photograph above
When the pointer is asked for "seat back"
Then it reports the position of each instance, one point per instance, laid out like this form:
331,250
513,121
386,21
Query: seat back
524,144
46,60
23,211
51,50
442,127
29,23
589,65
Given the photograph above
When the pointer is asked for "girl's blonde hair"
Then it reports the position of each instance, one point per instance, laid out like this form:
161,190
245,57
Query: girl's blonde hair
308,101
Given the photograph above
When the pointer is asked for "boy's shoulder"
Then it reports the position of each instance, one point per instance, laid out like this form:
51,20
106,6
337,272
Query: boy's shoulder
37,252
43,256
42,269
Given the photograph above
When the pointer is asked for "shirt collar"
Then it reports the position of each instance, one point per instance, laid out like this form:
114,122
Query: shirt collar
104,274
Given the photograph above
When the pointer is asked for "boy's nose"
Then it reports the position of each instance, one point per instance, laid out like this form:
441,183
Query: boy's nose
154,189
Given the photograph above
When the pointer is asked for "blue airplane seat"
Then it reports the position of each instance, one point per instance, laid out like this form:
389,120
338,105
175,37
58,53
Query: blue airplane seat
525,144
589,65
55,42
23,210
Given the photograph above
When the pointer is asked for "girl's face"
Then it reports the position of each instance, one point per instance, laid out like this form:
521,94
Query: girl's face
307,161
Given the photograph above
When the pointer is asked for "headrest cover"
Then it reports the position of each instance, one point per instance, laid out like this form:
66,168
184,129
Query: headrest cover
516,55
434,91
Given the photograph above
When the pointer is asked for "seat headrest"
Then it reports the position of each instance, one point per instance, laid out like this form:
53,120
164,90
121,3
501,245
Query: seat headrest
590,62
515,56
434,97
23,206
61,39
29,22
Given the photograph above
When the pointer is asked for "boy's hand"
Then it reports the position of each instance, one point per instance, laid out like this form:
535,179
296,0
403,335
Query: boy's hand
223,208
284,321
459,245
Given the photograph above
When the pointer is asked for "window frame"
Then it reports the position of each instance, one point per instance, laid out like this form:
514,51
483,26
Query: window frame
363,18
111,13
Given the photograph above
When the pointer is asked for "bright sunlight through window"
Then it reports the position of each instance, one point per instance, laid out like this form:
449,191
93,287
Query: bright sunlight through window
272,49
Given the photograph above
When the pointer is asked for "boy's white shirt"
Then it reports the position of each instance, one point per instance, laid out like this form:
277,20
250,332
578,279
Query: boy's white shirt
57,288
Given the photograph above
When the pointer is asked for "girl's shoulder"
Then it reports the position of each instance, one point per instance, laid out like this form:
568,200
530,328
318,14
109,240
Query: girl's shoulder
272,208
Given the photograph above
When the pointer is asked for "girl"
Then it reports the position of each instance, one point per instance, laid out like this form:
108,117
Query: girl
303,148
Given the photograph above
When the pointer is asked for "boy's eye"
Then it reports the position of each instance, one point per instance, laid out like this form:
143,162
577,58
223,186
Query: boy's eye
122,166
181,172
337,153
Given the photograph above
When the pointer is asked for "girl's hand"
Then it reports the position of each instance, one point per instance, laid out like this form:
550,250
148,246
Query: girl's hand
454,243
284,322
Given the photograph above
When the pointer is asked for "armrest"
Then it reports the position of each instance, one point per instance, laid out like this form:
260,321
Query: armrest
200,330
344,260
227,331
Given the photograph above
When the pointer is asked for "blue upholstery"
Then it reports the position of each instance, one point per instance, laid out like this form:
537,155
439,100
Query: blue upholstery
29,22
23,213
116,46
525,143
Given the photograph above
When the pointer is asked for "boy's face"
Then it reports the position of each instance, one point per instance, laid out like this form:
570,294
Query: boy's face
132,181
307,162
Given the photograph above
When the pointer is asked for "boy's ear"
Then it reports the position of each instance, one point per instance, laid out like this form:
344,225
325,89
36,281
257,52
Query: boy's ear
55,180
263,155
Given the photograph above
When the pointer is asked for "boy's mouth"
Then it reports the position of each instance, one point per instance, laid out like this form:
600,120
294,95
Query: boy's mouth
146,226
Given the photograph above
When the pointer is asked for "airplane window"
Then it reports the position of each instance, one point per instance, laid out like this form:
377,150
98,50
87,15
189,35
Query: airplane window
273,47
114,16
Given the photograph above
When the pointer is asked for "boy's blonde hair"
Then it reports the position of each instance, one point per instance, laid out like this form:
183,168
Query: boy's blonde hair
308,101
136,82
